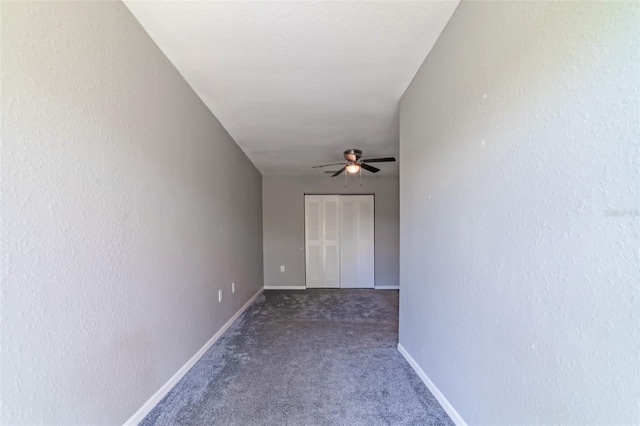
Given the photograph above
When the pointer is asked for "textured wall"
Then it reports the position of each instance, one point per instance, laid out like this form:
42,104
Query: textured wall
519,199
283,224
125,206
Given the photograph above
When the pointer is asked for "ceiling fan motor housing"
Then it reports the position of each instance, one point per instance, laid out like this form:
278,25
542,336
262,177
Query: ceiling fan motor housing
352,155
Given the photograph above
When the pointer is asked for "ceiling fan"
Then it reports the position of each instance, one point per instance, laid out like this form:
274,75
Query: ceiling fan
354,163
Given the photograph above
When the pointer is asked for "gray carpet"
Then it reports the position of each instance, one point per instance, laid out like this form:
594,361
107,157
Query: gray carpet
314,357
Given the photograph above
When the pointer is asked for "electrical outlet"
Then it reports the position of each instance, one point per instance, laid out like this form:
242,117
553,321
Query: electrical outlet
233,287
281,268
219,296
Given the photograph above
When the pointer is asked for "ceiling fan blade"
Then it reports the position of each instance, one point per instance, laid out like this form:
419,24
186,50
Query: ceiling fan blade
339,171
369,168
325,165
380,160
330,171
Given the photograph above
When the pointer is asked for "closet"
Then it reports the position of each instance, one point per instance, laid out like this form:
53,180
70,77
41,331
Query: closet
339,241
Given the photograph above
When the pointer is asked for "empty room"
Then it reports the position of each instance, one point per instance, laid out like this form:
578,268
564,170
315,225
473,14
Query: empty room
319,212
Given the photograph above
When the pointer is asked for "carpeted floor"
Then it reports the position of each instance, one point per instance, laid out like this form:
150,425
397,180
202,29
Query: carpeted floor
309,357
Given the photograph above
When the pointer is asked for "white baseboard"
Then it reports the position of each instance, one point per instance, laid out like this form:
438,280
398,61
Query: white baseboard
285,287
387,287
157,397
457,419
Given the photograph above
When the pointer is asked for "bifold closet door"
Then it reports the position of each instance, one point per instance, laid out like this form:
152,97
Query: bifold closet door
322,240
356,241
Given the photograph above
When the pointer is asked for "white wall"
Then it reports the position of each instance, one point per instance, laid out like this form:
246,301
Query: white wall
283,223
519,213
125,206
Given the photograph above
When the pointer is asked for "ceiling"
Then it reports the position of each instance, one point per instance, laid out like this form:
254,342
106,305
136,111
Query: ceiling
295,83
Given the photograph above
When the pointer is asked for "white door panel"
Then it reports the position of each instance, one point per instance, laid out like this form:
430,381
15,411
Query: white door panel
366,255
313,240
357,241
348,241
331,228
322,241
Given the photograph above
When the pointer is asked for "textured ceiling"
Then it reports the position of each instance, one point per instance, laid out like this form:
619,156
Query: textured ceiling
296,83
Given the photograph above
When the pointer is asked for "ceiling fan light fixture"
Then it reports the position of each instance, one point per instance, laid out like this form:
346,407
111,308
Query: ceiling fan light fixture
353,168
